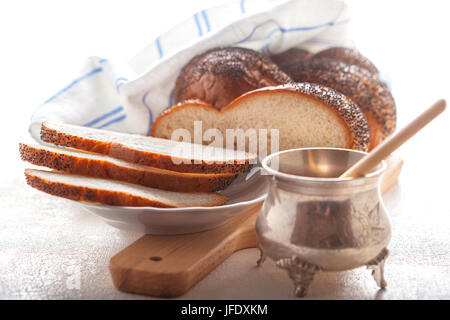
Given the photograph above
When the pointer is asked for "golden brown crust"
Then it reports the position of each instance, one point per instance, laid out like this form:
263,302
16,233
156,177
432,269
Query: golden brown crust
362,87
146,158
161,179
86,194
349,56
289,56
180,105
220,75
150,159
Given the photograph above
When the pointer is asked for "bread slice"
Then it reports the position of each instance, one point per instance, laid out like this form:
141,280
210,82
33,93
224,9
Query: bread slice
149,151
101,166
116,193
306,115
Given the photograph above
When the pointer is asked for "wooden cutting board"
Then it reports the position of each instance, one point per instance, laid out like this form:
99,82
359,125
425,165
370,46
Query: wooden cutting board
168,266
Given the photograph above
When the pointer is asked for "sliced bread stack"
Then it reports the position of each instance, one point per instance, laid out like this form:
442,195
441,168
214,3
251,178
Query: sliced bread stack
105,167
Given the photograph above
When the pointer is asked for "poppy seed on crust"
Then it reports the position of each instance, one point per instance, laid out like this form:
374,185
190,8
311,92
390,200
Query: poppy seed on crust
138,156
362,87
220,75
85,164
349,56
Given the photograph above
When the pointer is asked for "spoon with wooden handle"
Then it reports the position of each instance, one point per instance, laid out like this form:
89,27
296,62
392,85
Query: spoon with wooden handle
383,150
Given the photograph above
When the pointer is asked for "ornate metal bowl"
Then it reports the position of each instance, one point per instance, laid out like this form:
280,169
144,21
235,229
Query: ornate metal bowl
313,221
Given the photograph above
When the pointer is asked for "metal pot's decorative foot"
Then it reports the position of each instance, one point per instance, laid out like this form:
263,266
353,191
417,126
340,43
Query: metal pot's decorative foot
301,272
262,256
377,267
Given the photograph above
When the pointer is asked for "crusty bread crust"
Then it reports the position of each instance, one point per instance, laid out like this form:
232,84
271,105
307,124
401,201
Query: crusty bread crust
362,87
222,74
149,177
289,56
181,105
146,158
349,56
100,196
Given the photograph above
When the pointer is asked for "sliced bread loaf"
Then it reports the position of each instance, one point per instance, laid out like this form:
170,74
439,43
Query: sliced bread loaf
149,151
306,115
116,193
101,166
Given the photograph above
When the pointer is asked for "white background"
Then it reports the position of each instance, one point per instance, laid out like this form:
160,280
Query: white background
44,43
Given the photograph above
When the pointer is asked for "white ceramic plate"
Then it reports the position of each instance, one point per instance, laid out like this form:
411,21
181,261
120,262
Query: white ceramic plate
246,192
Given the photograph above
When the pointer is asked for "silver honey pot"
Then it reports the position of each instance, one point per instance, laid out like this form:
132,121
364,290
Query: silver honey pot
312,221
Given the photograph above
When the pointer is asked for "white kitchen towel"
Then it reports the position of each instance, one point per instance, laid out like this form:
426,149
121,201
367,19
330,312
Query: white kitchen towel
128,98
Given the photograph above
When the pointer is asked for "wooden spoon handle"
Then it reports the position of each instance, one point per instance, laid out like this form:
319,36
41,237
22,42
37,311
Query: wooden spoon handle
378,154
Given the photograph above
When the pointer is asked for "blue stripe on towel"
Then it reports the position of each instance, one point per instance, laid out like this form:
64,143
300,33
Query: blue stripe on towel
205,17
120,82
242,6
251,33
122,117
159,47
197,22
284,30
150,114
74,82
329,43
102,117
